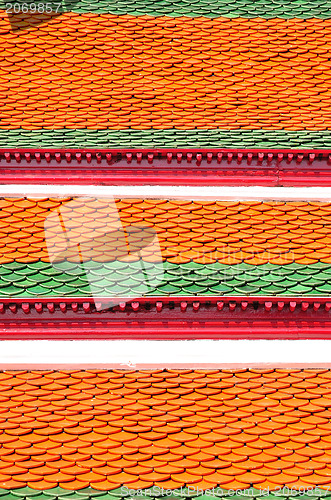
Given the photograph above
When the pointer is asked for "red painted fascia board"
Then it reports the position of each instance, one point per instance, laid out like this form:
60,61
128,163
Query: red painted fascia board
268,167
169,318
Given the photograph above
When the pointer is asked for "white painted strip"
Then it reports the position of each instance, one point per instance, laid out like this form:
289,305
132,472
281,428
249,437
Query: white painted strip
144,354
260,193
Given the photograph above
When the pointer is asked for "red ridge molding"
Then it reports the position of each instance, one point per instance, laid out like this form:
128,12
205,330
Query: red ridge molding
268,167
169,318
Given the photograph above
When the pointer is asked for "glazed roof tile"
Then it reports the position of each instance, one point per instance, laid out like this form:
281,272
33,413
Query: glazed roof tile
83,246
265,100
198,8
45,446
83,77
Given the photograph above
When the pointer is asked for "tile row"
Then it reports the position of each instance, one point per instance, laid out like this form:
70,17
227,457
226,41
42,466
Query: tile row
155,230
120,279
278,80
171,137
199,8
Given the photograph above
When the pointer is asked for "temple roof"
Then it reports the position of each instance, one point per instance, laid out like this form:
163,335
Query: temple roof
168,428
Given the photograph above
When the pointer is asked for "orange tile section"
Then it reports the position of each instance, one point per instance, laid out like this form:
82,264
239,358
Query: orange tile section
204,232
262,428
118,72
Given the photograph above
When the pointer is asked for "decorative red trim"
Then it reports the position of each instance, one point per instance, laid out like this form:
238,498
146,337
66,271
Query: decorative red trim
268,167
171,317
166,318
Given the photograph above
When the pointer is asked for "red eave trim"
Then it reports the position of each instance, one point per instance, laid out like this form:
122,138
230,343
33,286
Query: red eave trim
169,318
268,167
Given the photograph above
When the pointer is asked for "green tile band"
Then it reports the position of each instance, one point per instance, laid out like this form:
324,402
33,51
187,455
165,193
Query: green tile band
120,279
169,138
312,493
207,8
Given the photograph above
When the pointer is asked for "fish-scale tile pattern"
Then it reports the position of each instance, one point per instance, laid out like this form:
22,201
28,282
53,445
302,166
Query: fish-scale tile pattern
104,429
168,138
120,279
206,232
155,493
197,8
90,71
101,247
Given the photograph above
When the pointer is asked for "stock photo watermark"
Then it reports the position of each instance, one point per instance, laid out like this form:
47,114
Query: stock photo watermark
69,238
25,14
216,492
33,8
134,254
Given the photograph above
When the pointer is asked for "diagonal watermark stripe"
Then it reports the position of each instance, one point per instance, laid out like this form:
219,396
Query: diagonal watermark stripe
77,239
